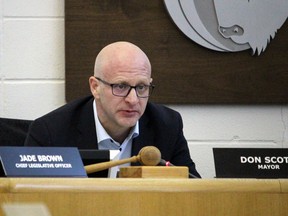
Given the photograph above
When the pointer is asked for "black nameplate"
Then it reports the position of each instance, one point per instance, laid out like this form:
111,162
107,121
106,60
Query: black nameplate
251,162
42,162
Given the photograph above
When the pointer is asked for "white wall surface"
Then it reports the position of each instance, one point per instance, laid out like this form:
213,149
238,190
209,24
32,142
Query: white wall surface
32,57
32,83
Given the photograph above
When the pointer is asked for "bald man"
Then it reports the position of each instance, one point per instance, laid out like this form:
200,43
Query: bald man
117,115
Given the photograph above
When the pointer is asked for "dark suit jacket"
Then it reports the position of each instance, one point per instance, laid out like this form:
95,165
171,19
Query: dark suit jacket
73,125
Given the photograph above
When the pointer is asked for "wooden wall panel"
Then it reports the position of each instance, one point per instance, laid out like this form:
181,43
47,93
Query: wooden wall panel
183,71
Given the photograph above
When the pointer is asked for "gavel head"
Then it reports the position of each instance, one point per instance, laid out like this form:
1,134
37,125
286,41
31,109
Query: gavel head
149,156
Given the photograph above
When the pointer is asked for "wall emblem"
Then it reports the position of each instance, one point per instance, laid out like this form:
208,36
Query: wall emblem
229,25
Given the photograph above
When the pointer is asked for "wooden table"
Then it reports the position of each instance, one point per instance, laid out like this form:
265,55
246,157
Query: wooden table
155,197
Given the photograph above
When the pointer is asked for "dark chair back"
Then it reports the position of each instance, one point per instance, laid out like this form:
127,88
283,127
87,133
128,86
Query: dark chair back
13,131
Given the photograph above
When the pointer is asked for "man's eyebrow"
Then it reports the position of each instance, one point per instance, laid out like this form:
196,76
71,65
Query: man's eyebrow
124,82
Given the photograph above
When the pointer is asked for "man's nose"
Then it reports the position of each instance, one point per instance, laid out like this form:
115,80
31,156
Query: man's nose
132,96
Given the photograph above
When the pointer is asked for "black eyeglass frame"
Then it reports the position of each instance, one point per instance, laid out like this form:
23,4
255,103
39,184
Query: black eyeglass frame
150,88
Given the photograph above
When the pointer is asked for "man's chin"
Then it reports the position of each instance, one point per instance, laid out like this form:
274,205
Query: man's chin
128,123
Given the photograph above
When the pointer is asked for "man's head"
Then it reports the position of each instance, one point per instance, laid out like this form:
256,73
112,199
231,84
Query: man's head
120,63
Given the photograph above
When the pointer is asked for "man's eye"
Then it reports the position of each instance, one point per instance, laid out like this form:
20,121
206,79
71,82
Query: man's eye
121,86
142,88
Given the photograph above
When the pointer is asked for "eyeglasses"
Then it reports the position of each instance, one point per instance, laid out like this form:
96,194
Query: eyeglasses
122,90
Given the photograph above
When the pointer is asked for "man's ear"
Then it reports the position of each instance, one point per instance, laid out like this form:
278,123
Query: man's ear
93,83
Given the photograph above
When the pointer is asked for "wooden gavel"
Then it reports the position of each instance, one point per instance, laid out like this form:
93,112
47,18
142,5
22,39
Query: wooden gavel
148,156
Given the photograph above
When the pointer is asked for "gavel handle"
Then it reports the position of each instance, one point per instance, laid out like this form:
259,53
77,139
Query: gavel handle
106,165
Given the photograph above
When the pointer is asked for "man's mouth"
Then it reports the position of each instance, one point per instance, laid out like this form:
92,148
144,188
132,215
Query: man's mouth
130,112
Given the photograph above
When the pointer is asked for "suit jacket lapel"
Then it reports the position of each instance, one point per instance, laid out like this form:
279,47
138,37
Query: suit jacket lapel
86,127
145,138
